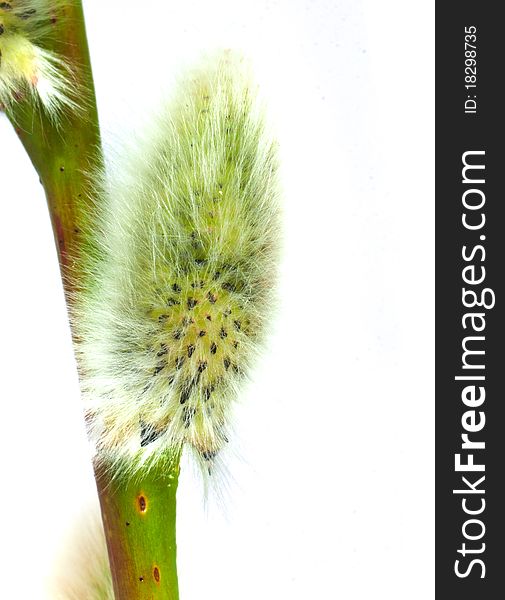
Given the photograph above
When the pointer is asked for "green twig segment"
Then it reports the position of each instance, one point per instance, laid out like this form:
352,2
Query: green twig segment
139,518
63,152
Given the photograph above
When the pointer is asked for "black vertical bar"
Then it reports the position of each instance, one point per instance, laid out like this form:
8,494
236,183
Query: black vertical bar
470,120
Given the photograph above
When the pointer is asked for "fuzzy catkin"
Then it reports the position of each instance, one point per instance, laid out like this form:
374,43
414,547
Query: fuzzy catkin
27,69
180,282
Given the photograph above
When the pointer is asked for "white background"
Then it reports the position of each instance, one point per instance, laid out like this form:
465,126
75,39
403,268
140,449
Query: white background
331,495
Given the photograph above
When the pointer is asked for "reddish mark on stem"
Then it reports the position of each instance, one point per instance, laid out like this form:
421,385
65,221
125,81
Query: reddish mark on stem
156,574
142,503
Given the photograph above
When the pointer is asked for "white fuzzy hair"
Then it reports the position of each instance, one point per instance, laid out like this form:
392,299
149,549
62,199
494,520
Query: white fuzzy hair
27,68
180,275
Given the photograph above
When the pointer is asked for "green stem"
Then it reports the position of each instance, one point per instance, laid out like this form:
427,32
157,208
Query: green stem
64,153
139,519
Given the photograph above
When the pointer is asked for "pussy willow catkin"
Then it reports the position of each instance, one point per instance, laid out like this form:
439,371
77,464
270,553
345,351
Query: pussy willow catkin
181,275
26,67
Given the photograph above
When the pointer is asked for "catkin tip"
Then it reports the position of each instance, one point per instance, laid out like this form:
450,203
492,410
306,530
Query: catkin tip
28,69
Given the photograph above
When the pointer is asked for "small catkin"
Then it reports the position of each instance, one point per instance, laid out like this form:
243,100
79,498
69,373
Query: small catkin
180,283
27,69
